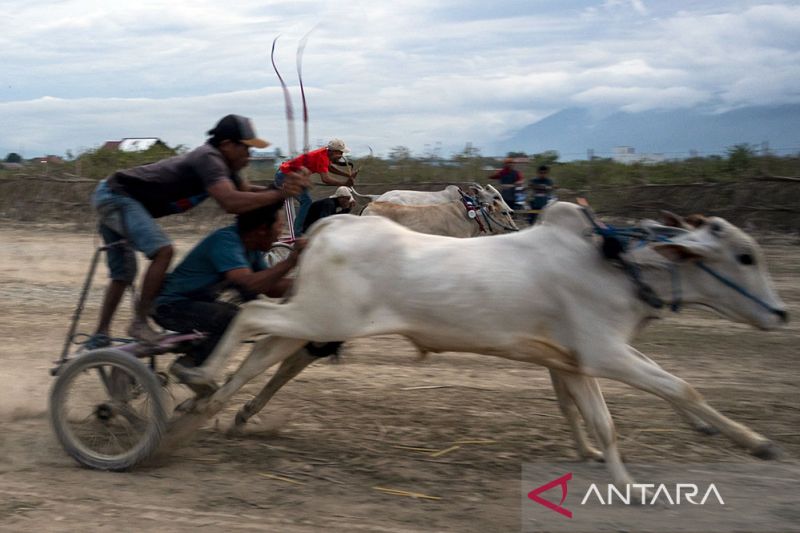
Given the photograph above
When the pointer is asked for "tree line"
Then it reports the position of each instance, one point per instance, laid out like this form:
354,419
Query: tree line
740,162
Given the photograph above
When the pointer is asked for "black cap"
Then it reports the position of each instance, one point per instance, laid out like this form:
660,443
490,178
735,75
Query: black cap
238,129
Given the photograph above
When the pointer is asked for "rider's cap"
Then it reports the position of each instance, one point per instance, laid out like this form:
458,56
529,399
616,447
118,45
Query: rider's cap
238,129
342,192
338,144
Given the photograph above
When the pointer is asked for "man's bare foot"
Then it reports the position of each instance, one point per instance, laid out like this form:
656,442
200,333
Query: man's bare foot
141,331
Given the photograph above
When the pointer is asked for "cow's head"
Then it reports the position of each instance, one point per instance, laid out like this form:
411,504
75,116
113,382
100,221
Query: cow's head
490,199
732,276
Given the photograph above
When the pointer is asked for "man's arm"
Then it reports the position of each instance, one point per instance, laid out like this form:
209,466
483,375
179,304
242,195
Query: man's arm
245,185
271,281
328,180
235,201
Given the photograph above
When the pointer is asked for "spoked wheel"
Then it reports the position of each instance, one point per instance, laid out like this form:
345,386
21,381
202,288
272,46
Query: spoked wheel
108,410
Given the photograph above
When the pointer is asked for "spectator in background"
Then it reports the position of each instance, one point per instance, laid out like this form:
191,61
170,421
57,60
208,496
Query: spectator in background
510,181
541,188
338,203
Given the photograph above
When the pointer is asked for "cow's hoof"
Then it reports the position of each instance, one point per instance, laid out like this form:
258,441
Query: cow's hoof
768,451
240,420
186,406
593,454
706,429
236,430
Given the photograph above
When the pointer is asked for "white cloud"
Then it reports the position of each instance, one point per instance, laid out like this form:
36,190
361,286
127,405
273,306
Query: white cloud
410,73
636,99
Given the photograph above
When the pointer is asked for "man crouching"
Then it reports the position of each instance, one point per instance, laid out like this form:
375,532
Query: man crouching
230,257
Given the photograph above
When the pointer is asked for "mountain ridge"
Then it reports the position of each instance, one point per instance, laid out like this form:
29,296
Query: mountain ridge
674,133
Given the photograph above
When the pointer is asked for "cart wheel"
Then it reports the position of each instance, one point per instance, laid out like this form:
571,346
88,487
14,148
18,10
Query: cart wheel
108,410
277,253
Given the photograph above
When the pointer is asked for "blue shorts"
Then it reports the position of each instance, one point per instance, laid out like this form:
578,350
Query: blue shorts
122,217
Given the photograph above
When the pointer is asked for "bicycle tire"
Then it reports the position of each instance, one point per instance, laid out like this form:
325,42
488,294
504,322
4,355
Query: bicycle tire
140,382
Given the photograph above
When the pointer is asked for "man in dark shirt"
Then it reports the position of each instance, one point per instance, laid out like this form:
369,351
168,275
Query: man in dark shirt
541,192
338,203
230,257
129,201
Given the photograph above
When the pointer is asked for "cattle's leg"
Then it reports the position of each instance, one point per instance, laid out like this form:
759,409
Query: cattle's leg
289,368
695,422
570,411
265,353
628,366
586,393
247,323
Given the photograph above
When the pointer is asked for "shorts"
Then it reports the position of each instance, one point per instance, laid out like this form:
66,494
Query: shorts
122,217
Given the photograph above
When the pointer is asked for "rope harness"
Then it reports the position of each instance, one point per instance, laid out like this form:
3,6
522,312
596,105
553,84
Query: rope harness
478,212
617,241
473,209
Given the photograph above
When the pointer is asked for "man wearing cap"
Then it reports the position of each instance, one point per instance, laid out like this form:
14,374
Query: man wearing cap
316,162
129,201
338,203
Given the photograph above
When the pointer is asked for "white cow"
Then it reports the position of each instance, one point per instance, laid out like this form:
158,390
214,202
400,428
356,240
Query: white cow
409,197
579,325
452,219
484,194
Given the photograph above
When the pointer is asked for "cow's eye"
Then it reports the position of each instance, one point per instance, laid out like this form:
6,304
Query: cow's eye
746,259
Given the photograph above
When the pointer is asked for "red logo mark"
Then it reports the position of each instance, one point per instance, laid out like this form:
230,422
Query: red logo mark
534,495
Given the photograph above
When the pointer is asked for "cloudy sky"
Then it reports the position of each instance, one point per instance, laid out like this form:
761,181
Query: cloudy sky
426,74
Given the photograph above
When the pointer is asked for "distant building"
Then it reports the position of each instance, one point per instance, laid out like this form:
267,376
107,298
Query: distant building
263,159
627,155
133,144
48,159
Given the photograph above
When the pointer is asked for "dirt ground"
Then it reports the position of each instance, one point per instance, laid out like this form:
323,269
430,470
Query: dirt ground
317,457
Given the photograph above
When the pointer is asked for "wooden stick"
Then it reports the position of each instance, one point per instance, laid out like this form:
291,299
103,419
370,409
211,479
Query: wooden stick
414,448
424,387
446,450
280,478
398,492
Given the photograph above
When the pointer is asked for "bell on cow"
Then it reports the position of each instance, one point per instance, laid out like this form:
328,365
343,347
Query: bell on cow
471,214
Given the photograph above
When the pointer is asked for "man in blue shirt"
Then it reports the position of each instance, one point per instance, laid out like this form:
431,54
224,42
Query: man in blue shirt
230,257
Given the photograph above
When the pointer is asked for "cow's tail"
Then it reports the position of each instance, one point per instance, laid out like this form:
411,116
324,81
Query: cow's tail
368,197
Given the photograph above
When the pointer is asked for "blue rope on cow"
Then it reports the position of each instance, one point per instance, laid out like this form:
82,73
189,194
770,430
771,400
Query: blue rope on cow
622,238
738,288
617,241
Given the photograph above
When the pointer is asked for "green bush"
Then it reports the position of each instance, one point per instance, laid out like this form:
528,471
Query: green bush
100,163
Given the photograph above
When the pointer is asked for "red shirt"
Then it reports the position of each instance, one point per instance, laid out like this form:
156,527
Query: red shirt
317,161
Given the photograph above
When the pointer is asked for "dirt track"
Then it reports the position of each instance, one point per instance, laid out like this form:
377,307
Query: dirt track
341,430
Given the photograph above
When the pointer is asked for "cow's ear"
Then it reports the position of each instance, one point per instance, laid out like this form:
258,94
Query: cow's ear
696,221
680,252
474,189
671,219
